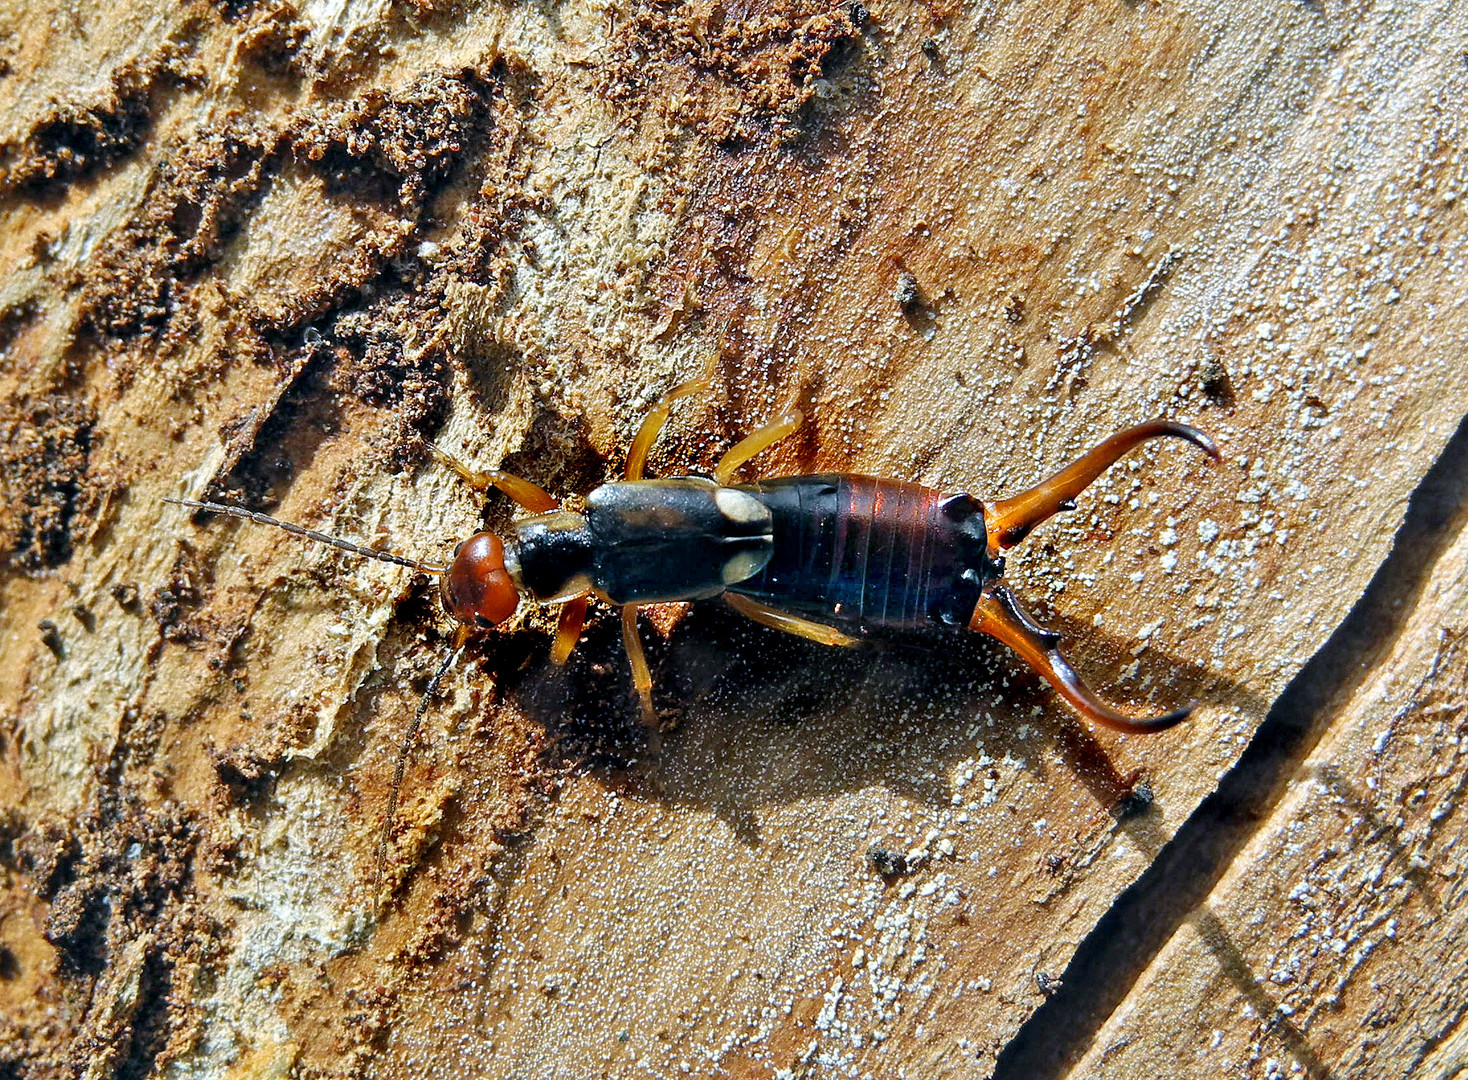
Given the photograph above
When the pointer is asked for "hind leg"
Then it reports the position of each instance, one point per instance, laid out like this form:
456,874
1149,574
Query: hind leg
790,624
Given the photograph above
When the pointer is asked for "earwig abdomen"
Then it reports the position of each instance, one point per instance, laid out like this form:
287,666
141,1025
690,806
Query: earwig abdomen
870,553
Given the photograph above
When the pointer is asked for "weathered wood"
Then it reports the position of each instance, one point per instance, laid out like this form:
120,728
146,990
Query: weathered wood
1328,948
259,251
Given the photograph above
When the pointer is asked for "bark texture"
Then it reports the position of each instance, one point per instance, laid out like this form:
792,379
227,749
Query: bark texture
259,252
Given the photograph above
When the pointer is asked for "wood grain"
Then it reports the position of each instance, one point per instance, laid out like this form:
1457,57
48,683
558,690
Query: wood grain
260,252
1325,949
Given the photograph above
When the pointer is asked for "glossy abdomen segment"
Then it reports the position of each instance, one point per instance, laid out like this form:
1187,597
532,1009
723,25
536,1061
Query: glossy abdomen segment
871,552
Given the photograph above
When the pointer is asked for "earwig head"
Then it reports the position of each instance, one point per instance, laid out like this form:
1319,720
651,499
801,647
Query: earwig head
477,589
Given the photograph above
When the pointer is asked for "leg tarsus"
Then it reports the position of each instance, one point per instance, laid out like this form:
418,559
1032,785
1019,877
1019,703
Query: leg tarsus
782,427
568,629
641,673
999,615
1010,520
790,624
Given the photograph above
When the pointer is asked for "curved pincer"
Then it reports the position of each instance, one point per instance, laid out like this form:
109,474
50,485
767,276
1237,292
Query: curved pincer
999,615
1010,520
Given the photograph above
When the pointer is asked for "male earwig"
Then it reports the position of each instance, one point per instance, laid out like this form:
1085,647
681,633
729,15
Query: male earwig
827,557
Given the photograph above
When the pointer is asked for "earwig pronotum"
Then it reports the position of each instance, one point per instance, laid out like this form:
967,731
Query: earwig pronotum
827,557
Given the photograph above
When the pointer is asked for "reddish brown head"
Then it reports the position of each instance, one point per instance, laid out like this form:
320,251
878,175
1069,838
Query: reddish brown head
477,589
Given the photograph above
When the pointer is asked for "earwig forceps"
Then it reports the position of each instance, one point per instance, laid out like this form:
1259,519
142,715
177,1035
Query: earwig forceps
1008,521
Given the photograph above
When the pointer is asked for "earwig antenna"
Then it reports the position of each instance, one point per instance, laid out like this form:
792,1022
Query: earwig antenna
460,638
310,534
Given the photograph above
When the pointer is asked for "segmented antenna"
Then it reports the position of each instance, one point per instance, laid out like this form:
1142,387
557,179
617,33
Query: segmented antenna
310,534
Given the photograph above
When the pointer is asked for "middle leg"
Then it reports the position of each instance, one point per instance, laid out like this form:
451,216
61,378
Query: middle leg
782,427
647,434
641,673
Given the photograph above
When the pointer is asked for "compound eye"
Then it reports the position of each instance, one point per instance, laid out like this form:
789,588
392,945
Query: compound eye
477,590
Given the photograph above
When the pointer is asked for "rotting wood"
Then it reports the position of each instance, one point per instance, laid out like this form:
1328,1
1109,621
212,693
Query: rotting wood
332,229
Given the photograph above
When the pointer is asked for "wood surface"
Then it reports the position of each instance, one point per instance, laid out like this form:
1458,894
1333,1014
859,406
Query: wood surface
1329,946
260,252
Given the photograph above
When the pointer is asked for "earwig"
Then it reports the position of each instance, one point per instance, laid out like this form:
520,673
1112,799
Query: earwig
828,557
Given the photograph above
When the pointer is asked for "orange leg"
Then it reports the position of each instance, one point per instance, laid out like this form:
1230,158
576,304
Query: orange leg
531,496
647,434
791,624
1010,520
783,426
568,630
999,615
641,674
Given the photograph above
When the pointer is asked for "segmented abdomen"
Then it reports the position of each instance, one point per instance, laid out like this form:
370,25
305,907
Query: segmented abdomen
858,549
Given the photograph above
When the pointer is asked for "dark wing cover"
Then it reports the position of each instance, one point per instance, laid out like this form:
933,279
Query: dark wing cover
675,539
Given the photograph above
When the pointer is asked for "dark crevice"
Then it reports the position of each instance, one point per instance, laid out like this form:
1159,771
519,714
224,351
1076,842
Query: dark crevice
152,1023
1176,886
75,140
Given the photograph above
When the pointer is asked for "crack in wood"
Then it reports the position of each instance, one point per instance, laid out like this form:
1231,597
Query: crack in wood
1175,887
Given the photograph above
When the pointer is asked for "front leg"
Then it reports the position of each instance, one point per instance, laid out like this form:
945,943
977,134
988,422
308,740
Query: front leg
531,496
568,628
